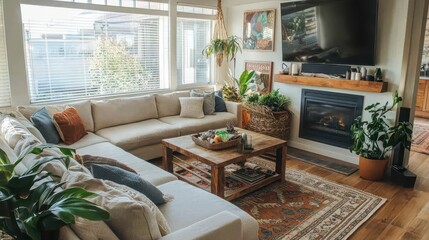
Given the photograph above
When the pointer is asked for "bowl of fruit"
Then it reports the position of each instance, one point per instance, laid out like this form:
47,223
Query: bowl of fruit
217,139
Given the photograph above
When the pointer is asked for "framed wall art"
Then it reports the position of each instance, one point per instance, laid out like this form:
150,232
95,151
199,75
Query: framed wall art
264,75
258,30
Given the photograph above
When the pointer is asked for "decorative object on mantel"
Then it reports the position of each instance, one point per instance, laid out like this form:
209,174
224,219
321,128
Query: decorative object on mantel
269,114
378,75
222,45
375,138
32,208
339,83
258,29
263,76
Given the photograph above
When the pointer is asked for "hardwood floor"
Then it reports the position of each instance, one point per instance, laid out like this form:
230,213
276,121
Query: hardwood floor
405,215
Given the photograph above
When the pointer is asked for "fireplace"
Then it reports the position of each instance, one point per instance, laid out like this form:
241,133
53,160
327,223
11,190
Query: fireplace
326,117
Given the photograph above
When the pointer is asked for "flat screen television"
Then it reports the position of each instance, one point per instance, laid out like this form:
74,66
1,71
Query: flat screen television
330,31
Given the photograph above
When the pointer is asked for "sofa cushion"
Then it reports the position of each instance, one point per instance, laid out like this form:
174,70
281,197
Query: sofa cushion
187,198
135,135
132,180
87,140
168,104
220,105
191,107
69,125
86,229
33,130
209,101
82,107
44,123
89,160
118,111
146,170
139,222
192,125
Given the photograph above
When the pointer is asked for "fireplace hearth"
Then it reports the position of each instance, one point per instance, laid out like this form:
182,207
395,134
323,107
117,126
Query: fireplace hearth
326,117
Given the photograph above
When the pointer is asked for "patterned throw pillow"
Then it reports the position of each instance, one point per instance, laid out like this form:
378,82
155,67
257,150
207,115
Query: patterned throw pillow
69,125
209,101
43,122
132,180
191,107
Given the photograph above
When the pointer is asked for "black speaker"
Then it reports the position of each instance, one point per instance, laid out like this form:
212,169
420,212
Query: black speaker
329,69
399,151
399,174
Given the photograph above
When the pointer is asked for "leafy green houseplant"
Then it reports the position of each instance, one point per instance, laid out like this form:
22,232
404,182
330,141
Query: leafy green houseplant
223,48
375,138
275,101
237,89
268,114
31,205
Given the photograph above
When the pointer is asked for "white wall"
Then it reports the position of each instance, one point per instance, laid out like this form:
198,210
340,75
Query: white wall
390,48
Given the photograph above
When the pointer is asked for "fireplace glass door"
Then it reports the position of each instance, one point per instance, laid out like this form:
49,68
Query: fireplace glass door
326,117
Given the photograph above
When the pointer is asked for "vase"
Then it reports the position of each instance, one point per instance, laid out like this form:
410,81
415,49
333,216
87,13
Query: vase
371,169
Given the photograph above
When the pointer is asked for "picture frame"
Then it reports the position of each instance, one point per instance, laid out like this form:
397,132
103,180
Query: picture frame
264,75
259,29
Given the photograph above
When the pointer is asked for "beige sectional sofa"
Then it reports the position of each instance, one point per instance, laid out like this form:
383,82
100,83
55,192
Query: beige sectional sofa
129,130
138,124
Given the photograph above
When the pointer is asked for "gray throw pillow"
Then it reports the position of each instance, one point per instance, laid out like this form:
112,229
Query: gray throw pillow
44,123
209,101
129,179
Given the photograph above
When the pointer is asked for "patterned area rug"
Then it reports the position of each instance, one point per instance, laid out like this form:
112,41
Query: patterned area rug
309,207
420,137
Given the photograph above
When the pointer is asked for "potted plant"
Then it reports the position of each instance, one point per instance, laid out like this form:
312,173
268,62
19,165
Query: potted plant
269,114
223,48
237,89
32,206
375,138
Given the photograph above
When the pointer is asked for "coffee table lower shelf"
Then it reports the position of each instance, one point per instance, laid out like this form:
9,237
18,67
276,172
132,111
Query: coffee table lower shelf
205,181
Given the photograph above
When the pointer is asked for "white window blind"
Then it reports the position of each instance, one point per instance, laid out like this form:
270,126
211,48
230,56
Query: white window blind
153,5
192,36
4,70
73,53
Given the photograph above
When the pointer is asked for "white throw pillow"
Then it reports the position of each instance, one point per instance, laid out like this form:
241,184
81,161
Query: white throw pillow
129,218
191,107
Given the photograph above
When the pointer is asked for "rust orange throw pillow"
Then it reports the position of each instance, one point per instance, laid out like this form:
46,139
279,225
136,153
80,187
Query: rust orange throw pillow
69,125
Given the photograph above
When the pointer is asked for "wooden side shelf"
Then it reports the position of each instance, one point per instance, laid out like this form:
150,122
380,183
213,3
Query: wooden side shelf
365,86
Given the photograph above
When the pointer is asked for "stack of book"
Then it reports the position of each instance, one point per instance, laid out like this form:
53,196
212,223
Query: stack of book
248,175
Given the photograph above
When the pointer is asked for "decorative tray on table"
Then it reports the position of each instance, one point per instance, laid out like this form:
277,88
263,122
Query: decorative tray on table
217,140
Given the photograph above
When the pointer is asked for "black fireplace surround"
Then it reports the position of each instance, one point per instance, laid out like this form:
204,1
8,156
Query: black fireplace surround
326,117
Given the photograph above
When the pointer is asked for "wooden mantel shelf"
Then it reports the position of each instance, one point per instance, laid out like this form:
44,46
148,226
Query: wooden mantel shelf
365,86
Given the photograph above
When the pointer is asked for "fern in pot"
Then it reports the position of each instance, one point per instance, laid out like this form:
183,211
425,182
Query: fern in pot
375,138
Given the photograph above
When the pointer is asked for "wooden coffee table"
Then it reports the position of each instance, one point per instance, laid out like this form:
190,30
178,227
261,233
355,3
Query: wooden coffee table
217,160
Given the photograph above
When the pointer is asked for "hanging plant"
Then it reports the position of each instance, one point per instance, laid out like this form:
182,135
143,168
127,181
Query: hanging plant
221,45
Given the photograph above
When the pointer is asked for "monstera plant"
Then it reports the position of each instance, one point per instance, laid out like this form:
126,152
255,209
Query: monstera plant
34,207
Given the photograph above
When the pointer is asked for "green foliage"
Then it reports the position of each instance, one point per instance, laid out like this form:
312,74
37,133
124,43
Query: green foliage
114,70
373,139
244,82
275,101
223,48
30,206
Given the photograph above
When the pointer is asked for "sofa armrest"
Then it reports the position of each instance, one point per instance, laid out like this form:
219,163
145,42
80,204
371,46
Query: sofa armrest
235,108
224,225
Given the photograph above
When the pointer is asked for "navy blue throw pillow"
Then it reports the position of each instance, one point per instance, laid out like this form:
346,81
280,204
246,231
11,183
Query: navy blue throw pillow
220,105
129,179
44,123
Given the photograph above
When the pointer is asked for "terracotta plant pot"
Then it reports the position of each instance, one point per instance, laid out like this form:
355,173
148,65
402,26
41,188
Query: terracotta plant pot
372,169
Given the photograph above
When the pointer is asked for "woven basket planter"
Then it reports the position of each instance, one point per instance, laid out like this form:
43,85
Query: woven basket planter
264,120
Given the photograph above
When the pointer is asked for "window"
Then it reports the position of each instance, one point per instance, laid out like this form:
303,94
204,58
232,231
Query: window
192,36
4,70
73,53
